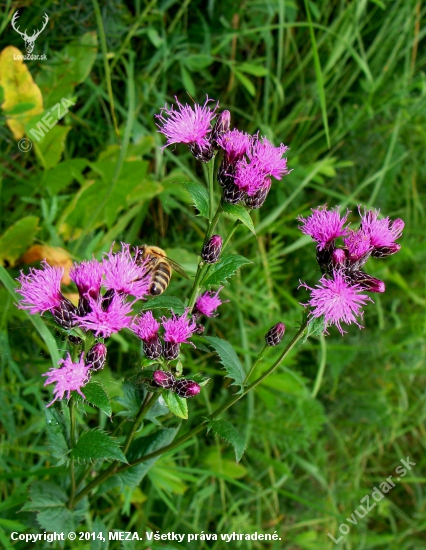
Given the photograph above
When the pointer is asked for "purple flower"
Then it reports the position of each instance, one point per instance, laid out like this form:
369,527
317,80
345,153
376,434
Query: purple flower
338,257
87,276
145,326
235,144
41,289
249,177
188,124
382,233
337,299
179,328
69,377
106,322
208,302
124,274
358,244
324,225
269,158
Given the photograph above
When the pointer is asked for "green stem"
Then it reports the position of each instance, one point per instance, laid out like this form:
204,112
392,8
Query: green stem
72,441
210,183
224,407
230,234
321,369
259,358
111,470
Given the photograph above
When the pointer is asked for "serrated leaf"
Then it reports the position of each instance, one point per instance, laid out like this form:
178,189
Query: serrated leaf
177,405
165,302
55,431
228,358
225,268
17,238
141,447
316,327
241,213
97,445
44,494
95,395
199,195
226,431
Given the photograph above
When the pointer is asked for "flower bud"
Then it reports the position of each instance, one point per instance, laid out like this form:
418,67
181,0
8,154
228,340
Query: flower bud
384,251
367,282
152,348
164,379
187,388
258,199
275,334
205,153
171,350
64,313
212,249
96,357
232,194
221,126
225,174
199,329
338,257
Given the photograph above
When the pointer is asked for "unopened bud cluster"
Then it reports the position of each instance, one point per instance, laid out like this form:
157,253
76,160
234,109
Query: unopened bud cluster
184,388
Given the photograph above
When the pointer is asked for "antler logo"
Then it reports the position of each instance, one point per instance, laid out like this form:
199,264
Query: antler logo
29,40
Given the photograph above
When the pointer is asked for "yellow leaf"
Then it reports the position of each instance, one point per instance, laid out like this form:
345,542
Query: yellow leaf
54,256
19,88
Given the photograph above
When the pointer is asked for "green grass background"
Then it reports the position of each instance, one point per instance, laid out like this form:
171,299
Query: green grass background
341,83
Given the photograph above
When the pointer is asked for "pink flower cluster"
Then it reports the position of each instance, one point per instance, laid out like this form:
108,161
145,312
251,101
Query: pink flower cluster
249,161
339,295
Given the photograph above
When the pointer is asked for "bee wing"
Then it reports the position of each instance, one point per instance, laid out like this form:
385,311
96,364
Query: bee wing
178,268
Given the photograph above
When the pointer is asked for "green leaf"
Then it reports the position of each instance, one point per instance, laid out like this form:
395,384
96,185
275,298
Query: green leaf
41,328
134,394
98,544
50,147
199,195
17,239
95,395
165,302
177,405
246,82
143,446
241,213
49,500
229,359
226,431
316,327
55,431
97,445
225,268
251,68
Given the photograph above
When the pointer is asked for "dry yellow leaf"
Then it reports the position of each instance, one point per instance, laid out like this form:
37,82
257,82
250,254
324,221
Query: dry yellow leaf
54,256
19,89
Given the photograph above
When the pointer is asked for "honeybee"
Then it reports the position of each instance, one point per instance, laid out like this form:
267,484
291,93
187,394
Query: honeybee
159,266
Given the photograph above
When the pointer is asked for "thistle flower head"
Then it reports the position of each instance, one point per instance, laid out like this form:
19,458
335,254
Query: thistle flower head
108,321
382,233
212,249
96,356
145,326
124,274
269,158
235,144
187,388
87,276
337,299
358,244
187,124
208,302
178,328
220,128
249,177
324,225
69,377
41,289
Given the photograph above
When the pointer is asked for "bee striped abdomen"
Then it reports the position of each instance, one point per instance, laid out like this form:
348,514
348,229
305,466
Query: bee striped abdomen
161,275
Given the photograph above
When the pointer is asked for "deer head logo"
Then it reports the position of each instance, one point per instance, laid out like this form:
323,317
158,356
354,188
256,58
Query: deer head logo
29,40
